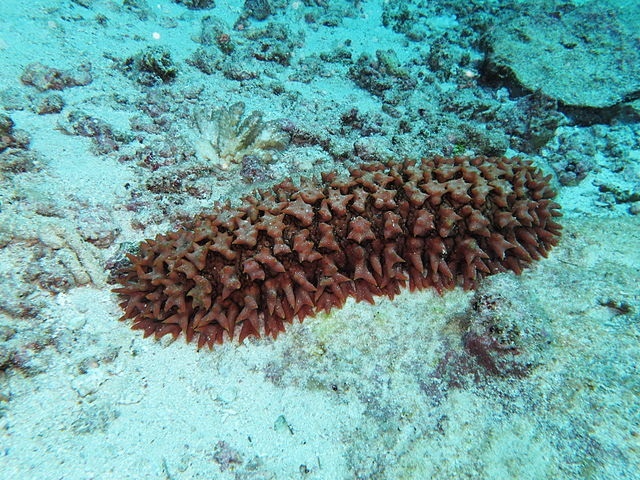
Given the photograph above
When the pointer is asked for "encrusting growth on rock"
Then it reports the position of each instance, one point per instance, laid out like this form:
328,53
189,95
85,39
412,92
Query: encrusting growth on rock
294,251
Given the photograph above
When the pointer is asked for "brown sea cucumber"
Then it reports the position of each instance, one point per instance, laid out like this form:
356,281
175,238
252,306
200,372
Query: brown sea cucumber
297,250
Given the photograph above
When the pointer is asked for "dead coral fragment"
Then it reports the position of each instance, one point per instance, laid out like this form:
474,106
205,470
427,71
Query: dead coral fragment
10,137
226,138
44,78
105,140
197,4
151,66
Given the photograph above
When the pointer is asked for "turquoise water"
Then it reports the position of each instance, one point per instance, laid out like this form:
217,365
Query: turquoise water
121,120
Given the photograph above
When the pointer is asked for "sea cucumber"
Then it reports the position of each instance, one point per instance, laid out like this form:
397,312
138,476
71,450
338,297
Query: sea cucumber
297,250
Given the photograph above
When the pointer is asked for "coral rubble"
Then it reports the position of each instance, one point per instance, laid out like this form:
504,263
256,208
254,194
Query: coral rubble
295,251
151,66
197,4
45,78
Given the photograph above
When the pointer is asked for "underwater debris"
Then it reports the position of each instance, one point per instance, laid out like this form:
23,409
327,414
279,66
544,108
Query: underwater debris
15,156
44,78
151,66
10,137
196,4
104,138
257,9
45,104
379,75
214,31
274,43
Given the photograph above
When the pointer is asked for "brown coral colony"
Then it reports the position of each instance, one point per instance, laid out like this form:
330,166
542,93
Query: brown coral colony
294,251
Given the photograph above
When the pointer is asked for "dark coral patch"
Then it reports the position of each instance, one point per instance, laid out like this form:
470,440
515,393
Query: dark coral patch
292,251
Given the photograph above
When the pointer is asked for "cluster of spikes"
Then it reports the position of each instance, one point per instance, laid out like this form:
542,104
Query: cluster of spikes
293,251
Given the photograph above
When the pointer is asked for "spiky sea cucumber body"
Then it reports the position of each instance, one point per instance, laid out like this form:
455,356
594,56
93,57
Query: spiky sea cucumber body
296,250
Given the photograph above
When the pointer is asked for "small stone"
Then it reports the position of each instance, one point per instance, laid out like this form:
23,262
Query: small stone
45,78
258,9
52,103
281,425
197,4
151,66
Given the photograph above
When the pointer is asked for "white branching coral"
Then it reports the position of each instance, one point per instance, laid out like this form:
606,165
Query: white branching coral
226,138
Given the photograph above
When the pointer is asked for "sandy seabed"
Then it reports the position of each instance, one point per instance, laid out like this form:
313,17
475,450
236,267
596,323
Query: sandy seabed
384,391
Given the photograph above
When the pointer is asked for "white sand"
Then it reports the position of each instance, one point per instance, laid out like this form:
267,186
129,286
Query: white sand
338,397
